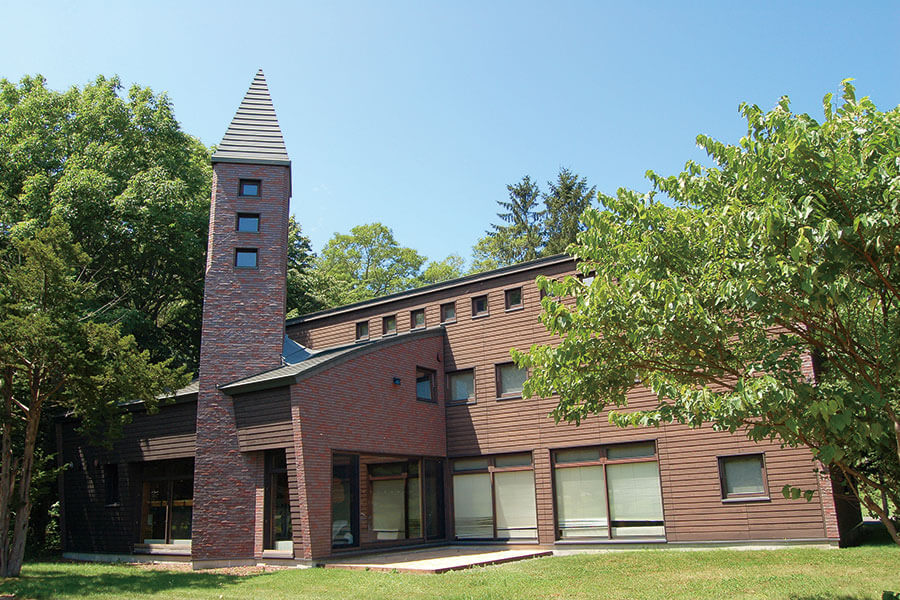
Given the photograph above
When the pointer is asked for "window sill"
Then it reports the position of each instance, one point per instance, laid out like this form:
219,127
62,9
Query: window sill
469,403
515,308
426,400
390,334
510,397
448,322
481,315
361,340
747,499
278,554
419,328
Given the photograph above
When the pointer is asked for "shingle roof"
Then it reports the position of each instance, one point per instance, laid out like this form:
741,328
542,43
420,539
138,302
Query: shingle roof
254,135
319,360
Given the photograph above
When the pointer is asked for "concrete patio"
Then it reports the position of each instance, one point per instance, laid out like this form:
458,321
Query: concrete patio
435,560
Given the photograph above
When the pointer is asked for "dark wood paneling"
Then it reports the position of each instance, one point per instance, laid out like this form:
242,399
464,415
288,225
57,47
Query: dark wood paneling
264,419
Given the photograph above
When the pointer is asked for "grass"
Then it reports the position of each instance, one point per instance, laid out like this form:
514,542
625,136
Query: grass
798,574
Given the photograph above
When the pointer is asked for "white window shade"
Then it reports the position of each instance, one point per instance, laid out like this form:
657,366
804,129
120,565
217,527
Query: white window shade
635,500
581,502
516,511
473,514
388,514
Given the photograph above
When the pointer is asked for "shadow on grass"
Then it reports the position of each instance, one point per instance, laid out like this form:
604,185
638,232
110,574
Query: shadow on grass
48,582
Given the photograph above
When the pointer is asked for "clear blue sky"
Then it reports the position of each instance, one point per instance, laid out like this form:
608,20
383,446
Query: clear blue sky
418,114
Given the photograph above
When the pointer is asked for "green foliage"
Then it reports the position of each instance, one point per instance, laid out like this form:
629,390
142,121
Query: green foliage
566,199
452,267
367,263
787,250
132,187
54,354
530,233
520,239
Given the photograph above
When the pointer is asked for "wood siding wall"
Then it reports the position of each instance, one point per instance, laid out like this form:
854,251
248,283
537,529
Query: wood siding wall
264,419
90,524
688,459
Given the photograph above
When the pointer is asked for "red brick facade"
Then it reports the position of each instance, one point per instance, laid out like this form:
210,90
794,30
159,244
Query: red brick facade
243,333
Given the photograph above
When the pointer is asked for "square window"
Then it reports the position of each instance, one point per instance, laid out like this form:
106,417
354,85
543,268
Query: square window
461,387
425,385
479,306
362,330
249,188
448,312
245,258
248,222
510,379
389,325
513,298
743,477
417,318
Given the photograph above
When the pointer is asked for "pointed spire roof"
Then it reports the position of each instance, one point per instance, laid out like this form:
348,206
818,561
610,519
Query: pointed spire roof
254,135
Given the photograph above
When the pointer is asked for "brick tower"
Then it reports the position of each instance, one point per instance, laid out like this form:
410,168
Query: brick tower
243,319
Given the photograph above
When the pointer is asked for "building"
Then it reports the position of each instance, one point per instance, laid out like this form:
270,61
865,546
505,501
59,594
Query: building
393,422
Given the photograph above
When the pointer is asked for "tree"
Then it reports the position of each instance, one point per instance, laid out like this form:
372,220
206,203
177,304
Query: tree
55,354
781,258
519,240
564,202
452,267
132,187
368,262
307,290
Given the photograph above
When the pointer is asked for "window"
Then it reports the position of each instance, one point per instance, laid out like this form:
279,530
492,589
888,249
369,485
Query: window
277,520
448,312
743,477
494,497
249,188
344,500
588,279
425,389
362,330
245,258
396,500
389,325
611,492
111,483
510,379
461,387
479,306
168,502
407,499
417,318
513,298
248,222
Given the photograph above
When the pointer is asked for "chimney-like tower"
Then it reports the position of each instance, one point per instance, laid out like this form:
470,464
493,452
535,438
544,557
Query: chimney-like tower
243,318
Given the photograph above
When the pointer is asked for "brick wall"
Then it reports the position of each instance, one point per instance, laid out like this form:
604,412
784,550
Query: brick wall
355,407
243,329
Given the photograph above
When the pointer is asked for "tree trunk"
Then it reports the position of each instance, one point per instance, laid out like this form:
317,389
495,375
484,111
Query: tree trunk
23,511
853,480
6,473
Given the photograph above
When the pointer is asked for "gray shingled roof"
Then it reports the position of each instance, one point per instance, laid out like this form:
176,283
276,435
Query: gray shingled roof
318,361
254,135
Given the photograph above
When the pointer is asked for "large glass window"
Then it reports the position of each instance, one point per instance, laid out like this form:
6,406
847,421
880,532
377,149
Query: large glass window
611,491
345,500
167,502
396,500
494,497
277,520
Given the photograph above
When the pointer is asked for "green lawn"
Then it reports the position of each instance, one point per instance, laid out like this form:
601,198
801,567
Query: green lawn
798,573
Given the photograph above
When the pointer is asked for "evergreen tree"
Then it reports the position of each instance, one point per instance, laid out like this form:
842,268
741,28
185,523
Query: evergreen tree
565,201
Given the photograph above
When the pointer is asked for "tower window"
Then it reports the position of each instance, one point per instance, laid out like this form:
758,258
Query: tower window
245,258
249,188
248,222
